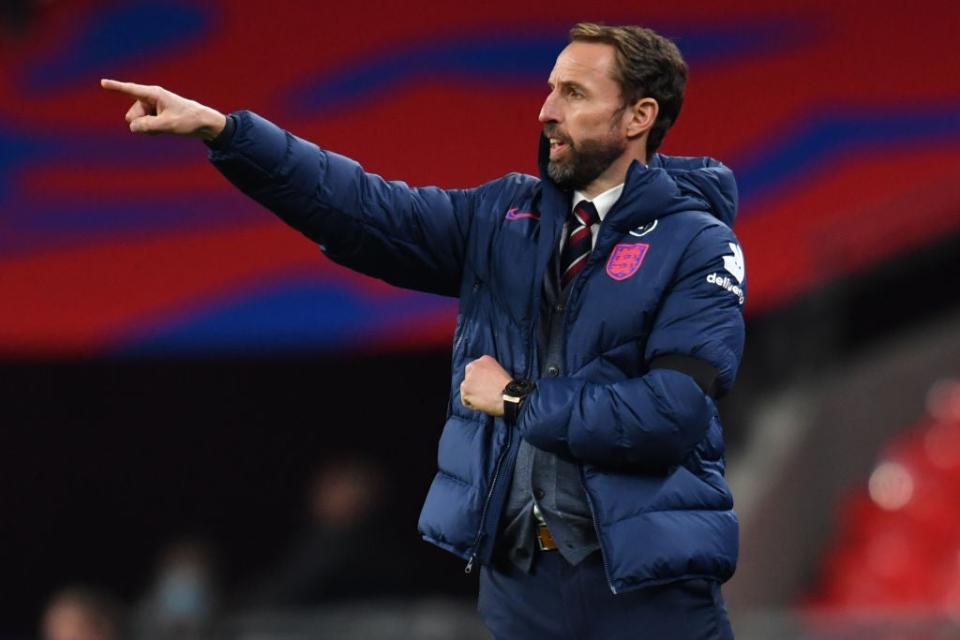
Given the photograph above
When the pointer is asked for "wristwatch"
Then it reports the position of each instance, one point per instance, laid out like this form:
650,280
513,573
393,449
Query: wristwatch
513,395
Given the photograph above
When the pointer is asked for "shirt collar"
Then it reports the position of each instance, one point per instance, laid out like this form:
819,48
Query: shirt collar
602,202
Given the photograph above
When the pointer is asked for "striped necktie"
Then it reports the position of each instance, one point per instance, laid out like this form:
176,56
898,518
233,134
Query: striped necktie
579,242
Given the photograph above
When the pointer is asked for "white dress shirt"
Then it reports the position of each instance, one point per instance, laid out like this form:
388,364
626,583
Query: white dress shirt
602,203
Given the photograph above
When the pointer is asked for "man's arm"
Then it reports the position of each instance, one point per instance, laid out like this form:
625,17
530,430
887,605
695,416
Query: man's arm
410,237
654,421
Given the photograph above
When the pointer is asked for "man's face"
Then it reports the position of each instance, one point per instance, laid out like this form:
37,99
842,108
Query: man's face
583,115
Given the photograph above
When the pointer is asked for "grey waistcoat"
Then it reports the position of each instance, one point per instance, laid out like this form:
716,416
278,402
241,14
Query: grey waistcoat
542,477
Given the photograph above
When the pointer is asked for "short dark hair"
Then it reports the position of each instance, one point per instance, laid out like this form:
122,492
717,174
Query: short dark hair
648,66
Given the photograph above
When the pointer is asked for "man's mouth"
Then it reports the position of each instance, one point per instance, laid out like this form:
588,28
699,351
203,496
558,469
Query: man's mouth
556,146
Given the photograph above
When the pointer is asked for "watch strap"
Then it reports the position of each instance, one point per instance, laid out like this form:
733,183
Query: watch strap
514,394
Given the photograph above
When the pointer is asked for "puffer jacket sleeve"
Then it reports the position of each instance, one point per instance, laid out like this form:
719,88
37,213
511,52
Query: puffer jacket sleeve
654,421
410,237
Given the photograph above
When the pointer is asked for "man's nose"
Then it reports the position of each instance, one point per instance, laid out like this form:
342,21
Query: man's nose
549,111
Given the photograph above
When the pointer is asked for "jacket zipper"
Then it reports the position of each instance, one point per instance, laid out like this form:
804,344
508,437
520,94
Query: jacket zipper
486,504
500,459
531,337
596,528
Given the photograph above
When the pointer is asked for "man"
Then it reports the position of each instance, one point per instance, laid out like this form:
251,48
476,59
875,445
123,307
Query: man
581,463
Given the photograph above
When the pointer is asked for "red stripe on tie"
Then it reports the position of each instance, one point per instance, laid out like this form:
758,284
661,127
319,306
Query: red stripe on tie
579,234
573,270
579,241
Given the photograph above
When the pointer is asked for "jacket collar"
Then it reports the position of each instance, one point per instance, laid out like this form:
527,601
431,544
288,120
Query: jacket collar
666,186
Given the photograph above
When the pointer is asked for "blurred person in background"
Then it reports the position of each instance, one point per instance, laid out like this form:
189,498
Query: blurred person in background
81,613
600,316
182,599
341,552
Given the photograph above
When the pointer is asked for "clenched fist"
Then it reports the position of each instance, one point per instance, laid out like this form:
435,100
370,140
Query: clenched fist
482,386
157,111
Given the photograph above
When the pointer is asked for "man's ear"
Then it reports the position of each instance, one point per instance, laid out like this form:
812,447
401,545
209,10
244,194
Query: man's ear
641,116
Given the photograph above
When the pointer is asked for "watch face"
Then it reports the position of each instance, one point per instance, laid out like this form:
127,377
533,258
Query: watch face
519,388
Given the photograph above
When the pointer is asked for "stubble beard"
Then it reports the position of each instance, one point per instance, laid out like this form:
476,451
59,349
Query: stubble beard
586,161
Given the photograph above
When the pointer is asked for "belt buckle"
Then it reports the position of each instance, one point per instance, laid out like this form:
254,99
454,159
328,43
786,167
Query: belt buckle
545,541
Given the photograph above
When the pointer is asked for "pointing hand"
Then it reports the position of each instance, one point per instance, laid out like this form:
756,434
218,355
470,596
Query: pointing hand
157,111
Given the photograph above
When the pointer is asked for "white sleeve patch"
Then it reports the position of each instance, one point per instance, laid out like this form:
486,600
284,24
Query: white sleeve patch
734,263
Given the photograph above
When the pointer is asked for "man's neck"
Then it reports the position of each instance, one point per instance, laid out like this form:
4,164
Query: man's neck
615,174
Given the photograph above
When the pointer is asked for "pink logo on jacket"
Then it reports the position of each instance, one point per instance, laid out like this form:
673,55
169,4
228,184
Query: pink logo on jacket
625,259
516,214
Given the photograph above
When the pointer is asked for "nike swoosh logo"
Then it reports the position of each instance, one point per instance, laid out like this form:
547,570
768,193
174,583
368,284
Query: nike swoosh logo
516,214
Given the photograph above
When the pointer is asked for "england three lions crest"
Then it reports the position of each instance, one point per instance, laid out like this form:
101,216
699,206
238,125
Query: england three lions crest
625,259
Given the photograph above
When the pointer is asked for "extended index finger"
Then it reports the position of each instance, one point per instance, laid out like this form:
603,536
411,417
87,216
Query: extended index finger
130,88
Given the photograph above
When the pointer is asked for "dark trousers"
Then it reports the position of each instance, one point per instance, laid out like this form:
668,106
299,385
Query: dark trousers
561,601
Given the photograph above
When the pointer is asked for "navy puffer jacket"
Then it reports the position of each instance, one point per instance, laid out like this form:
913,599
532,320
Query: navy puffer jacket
665,278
